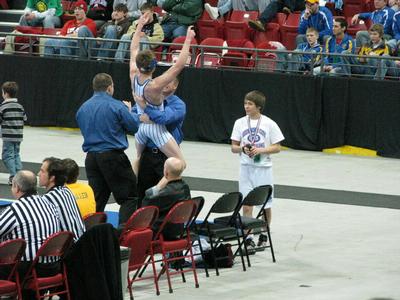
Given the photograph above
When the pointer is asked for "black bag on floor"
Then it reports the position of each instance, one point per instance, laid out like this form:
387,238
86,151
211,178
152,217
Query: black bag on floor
224,256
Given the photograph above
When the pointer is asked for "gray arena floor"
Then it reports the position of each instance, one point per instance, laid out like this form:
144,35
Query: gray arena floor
335,227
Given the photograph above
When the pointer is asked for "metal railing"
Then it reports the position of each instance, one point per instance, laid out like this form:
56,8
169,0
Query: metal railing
207,56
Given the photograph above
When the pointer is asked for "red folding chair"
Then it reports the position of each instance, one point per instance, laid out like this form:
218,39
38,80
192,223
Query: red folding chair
10,255
172,251
137,235
94,219
54,246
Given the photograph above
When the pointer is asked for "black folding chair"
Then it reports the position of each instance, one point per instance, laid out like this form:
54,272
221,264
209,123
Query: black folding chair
257,197
217,233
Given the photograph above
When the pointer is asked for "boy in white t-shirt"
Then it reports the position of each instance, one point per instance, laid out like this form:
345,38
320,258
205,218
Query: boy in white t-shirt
255,137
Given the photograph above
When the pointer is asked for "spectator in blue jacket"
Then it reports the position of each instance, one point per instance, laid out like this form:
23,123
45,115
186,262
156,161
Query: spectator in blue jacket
382,14
306,62
317,17
339,43
151,165
395,42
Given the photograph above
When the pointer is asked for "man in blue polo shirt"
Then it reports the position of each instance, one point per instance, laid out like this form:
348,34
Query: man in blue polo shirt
152,161
104,123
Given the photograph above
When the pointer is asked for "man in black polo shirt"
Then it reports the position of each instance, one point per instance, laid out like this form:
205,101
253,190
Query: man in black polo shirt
169,191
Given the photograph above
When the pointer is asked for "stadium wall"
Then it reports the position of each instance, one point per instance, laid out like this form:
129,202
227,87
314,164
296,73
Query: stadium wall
314,113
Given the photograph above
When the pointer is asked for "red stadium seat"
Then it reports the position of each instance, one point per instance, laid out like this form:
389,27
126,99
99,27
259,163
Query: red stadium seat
237,28
210,28
352,7
264,61
174,50
271,34
289,31
238,58
3,4
210,57
94,219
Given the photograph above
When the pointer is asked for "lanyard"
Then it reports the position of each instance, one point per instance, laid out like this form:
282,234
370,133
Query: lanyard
252,135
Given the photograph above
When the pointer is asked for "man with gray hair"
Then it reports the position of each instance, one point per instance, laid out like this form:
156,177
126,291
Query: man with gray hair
32,218
169,191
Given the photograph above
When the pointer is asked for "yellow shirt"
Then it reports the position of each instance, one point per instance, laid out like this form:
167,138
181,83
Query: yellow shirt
84,198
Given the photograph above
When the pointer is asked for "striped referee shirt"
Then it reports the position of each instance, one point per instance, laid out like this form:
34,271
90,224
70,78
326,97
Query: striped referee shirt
70,218
12,118
33,219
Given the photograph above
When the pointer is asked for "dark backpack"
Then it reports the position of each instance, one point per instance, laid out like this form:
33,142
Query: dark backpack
224,256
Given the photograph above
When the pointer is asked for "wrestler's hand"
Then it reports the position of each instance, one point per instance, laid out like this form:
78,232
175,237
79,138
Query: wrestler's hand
144,118
128,104
139,101
190,34
144,19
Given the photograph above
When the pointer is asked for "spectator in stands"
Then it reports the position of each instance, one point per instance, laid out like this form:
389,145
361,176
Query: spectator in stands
45,13
33,219
151,164
104,123
395,42
306,62
382,14
12,118
180,15
340,43
52,176
394,5
79,27
317,17
113,29
100,11
169,191
83,192
255,137
133,7
225,6
275,6
371,66
151,32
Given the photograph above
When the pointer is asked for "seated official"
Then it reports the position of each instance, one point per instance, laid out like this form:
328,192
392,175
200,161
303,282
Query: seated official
33,219
83,192
169,191
52,177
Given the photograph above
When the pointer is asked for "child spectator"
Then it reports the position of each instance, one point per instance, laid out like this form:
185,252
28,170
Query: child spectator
382,14
83,192
306,62
113,30
369,66
12,118
151,32
255,137
315,16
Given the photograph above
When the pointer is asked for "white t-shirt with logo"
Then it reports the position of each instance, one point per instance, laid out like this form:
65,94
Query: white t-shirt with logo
262,133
